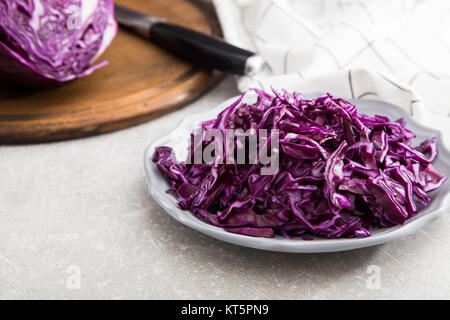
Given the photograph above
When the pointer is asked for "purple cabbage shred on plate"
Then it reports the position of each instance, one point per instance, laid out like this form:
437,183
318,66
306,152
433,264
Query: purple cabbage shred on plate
340,173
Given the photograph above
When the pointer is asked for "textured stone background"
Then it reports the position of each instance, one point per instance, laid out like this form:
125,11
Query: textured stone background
83,206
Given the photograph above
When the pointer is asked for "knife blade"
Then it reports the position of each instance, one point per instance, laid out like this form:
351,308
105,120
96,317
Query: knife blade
198,48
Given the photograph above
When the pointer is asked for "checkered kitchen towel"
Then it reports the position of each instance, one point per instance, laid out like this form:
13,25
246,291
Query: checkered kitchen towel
395,51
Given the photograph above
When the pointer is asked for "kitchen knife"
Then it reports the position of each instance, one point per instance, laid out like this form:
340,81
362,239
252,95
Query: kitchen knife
196,47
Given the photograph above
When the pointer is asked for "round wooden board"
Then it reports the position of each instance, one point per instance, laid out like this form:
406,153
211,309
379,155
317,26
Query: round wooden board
141,82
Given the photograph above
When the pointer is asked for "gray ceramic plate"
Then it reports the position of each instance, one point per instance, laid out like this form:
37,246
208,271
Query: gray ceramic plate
178,139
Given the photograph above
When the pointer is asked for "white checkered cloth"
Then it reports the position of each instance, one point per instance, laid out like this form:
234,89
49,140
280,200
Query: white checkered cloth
395,51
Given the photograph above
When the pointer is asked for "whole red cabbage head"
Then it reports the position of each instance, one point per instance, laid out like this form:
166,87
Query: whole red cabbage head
48,42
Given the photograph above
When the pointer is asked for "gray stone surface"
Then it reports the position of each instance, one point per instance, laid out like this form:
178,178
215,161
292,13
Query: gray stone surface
76,221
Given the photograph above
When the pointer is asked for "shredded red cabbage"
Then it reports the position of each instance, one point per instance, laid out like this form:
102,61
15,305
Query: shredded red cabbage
340,173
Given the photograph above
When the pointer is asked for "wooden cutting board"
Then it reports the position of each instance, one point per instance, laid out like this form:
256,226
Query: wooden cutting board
141,82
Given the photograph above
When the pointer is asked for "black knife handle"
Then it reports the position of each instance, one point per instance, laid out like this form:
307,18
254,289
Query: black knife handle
200,49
